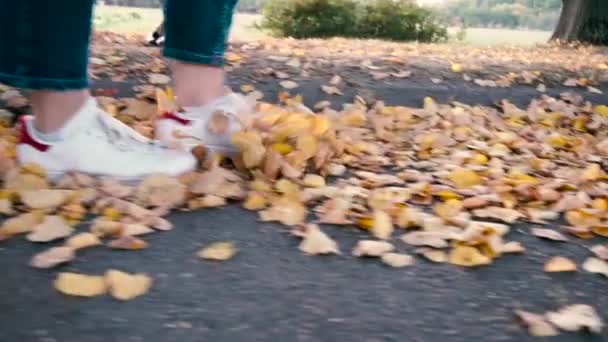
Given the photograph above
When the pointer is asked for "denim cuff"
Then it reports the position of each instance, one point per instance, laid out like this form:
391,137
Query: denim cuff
195,58
40,83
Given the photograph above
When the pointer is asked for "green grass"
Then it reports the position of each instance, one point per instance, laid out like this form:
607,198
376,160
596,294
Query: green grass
487,36
144,20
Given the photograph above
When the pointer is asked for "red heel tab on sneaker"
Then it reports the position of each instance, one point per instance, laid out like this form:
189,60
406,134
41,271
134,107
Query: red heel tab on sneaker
26,138
174,117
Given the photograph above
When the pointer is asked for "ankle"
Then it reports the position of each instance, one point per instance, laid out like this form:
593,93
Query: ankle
197,85
53,109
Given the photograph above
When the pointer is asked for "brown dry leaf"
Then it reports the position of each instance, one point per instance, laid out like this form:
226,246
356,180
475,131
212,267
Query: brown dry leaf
250,144
372,248
285,210
124,286
207,201
512,247
159,79
549,234
316,242
52,228
104,228
81,285
218,123
425,238
537,324
82,240
331,90
218,251
582,219
397,260
135,229
383,225
114,188
52,257
576,317
467,256
160,191
595,265
288,84
128,243
600,251
21,224
498,213
43,199
6,207
560,264
434,255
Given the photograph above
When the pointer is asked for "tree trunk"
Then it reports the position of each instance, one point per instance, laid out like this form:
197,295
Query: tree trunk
583,20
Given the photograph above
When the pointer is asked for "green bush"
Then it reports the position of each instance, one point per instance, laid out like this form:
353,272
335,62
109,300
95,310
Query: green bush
377,19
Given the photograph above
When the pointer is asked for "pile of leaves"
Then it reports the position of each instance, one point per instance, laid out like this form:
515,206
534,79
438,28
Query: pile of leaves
448,179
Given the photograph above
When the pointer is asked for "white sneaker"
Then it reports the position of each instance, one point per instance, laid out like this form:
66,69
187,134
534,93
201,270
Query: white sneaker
211,125
95,143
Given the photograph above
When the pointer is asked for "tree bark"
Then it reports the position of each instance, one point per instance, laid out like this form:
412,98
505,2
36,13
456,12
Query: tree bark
574,14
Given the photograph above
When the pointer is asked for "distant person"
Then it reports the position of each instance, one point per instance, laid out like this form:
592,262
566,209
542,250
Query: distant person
44,48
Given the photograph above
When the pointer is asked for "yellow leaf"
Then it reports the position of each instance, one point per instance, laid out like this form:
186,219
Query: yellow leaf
434,255
591,173
560,264
467,256
600,204
601,110
449,209
600,230
52,228
556,141
445,195
313,181
81,285
463,179
124,286
232,57
581,219
255,201
218,251
480,159
456,68
111,214
282,148
247,88
127,242
365,222
21,224
83,240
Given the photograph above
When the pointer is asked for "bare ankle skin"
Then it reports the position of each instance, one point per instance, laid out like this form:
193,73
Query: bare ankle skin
52,109
197,85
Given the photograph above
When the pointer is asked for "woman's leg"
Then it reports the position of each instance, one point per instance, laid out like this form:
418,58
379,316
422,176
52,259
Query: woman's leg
196,35
44,47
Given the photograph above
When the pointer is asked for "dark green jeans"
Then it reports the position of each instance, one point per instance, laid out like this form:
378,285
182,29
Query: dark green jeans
44,43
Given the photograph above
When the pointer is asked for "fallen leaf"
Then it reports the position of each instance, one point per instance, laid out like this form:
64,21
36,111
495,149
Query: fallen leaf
425,238
549,234
560,264
160,191
402,74
128,243
512,247
331,90
313,181
134,229
537,324
498,213
159,79
81,285
52,228
576,317
372,248
383,225
43,199
24,223
316,242
434,255
600,251
219,251
467,256
595,265
335,80
463,179
124,286
52,257
397,260
289,84
82,240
